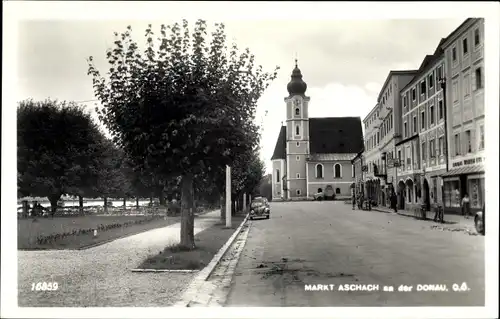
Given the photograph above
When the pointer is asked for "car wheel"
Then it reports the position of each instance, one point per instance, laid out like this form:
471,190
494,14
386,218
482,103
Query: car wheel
479,225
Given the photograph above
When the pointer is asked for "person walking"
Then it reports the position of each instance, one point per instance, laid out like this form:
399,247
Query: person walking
394,202
466,206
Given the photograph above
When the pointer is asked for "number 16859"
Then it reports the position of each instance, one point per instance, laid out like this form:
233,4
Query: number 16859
44,286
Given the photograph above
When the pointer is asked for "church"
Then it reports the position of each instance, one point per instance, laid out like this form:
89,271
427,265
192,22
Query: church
313,153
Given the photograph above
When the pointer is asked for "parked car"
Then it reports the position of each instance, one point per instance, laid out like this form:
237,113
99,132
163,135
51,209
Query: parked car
260,208
328,193
479,221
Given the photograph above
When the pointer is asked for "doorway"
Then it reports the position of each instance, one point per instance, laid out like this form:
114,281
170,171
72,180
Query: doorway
427,200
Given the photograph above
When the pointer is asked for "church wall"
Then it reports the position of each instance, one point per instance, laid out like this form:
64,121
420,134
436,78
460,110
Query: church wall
342,183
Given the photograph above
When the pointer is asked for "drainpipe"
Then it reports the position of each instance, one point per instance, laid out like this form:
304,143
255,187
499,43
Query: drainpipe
442,81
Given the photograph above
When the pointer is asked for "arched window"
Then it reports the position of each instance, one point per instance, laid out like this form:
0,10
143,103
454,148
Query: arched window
337,190
297,111
337,171
319,170
297,130
298,191
319,190
277,176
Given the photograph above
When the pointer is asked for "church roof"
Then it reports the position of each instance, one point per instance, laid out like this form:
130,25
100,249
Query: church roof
329,135
280,148
331,157
335,135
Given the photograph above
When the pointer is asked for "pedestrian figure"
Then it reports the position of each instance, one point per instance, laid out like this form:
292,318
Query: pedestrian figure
394,202
466,206
353,200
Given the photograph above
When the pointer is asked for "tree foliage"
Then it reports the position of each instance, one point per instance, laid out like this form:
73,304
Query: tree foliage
182,106
59,150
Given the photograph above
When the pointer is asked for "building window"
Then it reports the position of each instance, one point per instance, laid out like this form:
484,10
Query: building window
424,152
297,130
423,87
297,158
406,129
465,46
413,94
479,79
405,100
414,124
297,111
441,146
297,191
298,144
468,141
441,110
457,144
337,190
454,54
278,176
431,81
477,39
466,85
481,137
298,175
475,188
422,119
439,73
337,171
432,146
399,155
431,109
455,91
319,171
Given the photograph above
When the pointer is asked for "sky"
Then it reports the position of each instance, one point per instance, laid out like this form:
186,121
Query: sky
344,62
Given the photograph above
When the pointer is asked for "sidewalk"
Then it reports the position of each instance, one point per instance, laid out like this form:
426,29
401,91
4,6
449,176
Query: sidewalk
455,220
102,276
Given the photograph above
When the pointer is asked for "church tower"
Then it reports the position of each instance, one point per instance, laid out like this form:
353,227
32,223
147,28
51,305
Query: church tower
297,137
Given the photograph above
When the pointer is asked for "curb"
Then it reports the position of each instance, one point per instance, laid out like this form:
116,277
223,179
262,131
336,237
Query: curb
165,270
208,270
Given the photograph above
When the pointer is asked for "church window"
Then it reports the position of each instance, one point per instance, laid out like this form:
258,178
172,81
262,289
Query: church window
298,191
297,130
337,190
298,144
298,175
337,171
297,111
319,171
277,176
297,158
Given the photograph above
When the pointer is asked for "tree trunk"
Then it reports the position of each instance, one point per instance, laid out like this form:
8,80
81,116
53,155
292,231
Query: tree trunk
137,202
125,203
80,204
105,205
223,207
53,199
233,208
187,216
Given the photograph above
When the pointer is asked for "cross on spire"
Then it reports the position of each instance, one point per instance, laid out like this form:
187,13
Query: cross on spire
296,60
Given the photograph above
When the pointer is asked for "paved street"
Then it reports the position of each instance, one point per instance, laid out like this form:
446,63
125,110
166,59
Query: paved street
310,243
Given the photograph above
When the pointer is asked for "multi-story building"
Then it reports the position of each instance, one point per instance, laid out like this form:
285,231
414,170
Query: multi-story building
389,129
371,155
422,151
312,154
464,51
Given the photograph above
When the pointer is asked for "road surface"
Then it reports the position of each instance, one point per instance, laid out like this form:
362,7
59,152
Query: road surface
307,244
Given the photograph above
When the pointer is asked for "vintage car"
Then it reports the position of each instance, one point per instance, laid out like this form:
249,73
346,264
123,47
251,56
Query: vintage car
328,193
260,208
479,221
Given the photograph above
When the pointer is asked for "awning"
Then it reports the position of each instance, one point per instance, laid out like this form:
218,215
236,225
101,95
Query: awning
464,170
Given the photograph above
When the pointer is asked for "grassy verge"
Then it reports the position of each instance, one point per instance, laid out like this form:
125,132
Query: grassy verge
208,243
29,230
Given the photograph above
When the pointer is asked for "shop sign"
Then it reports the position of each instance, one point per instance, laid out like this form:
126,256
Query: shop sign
470,161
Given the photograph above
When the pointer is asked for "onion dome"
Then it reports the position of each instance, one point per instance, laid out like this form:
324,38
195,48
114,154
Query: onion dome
296,86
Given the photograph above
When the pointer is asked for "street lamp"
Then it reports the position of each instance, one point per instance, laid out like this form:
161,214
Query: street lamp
442,82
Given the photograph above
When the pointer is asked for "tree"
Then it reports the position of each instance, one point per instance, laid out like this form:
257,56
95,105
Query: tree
182,106
58,150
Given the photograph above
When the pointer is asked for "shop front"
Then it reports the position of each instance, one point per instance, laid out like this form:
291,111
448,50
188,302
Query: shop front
466,176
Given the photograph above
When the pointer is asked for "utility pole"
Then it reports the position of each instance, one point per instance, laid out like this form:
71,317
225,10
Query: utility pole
228,196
